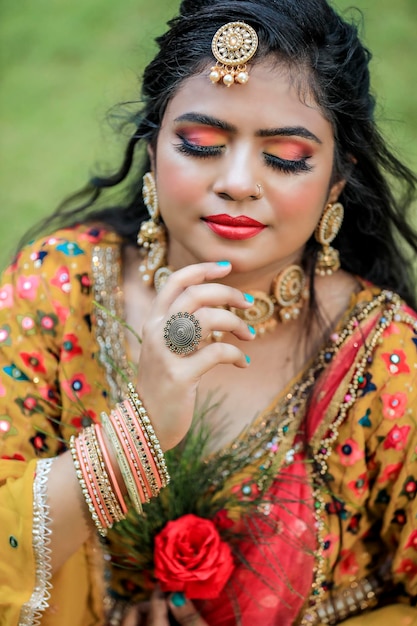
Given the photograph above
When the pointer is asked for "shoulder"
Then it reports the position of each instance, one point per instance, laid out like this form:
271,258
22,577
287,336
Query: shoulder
66,243
70,248
55,267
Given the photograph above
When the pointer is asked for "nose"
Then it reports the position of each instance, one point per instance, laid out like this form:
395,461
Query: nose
237,179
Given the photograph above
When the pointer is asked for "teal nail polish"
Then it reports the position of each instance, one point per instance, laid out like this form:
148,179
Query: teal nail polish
249,298
178,599
247,359
223,263
252,330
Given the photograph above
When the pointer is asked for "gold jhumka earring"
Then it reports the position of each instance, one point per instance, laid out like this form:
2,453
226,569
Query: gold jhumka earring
152,233
328,260
284,303
233,45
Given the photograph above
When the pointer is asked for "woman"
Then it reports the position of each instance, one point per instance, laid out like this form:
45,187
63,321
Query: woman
259,134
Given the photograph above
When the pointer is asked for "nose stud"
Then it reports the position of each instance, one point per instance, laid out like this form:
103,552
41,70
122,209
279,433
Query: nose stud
259,194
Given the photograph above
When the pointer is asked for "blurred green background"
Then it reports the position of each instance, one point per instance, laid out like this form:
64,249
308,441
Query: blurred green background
64,63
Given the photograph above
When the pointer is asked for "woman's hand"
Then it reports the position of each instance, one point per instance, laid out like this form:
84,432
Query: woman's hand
155,613
167,383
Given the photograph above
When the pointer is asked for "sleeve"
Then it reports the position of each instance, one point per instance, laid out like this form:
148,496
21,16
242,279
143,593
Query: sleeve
37,295
375,465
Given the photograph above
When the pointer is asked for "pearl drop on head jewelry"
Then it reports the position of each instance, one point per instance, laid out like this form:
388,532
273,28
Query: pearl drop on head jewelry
228,80
214,76
242,78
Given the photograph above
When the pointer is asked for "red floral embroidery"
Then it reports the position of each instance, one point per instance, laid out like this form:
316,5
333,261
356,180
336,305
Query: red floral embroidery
27,287
396,362
61,311
412,540
93,235
62,279
360,485
34,360
407,566
348,564
349,452
70,347
15,457
76,386
81,421
390,472
49,394
397,437
393,405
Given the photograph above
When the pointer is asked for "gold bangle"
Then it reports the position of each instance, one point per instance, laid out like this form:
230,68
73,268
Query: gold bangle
152,439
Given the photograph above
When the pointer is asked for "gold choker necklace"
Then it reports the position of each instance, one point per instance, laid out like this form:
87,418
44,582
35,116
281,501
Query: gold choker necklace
285,302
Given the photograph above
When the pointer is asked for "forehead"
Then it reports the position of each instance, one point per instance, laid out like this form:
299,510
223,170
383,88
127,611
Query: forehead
273,97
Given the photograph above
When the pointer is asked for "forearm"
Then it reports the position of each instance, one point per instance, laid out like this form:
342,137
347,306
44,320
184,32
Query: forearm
71,522
398,614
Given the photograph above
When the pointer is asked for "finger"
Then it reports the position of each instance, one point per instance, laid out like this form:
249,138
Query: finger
158,609
211,295
203,360
132,617
184,611
224,321
187,276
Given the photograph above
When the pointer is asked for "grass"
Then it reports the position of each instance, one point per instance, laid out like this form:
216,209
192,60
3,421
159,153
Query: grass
64,63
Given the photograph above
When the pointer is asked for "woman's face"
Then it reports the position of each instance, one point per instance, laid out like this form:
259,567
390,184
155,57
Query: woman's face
253,151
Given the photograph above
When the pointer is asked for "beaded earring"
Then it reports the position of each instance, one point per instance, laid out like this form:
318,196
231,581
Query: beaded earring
283,304
289,288
152,233
328,260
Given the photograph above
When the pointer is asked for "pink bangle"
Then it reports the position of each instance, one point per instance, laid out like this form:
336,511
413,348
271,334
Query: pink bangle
109,467
140,434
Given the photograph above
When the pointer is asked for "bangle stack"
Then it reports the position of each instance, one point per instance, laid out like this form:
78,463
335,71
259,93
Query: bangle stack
139,458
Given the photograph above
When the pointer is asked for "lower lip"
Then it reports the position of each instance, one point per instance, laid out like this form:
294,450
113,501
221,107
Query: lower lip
235,232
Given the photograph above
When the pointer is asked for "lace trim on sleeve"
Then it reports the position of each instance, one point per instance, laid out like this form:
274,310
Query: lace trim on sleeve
31,612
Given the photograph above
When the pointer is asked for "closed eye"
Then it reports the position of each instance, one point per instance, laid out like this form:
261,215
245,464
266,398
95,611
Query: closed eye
288,166
192,149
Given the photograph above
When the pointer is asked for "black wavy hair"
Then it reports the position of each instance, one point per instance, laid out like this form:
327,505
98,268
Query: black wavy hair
377,238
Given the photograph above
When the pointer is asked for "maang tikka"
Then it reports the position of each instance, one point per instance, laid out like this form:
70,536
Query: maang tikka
328,260
152,233
233,45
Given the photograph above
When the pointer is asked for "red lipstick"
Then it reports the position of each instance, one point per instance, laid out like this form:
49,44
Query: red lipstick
240,227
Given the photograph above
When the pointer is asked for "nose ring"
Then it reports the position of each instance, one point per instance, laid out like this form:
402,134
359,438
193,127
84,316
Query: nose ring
259,194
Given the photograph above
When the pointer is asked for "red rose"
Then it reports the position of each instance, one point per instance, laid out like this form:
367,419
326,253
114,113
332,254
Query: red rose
190,556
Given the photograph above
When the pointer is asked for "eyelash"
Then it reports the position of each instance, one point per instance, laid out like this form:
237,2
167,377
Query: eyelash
287,166
283,165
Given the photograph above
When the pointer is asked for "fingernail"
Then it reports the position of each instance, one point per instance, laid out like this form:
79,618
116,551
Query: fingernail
252,330
249,298
223,263
247,359
178,599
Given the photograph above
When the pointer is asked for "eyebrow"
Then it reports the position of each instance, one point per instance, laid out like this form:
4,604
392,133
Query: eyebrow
286,131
